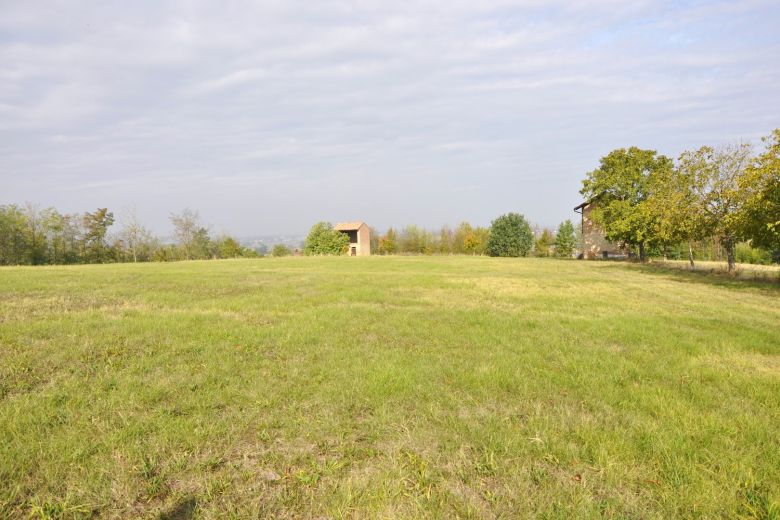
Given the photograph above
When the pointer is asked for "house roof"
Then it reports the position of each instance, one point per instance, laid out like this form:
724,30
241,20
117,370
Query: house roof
348,226
589,202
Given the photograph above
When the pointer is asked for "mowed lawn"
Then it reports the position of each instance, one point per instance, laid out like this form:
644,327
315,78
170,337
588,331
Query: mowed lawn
387,388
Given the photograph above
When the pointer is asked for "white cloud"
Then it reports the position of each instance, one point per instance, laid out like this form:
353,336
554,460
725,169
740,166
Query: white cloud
299,107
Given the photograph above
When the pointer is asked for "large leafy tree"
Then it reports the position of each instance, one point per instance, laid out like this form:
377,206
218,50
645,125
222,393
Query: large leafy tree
36,238
717,207
510,235
13,236
324,240
202,246
674,209
96,226
622,184
565,240
760,219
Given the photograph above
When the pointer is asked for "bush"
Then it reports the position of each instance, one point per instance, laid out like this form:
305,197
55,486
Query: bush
745,254
510,235
324,240
281,250
565,241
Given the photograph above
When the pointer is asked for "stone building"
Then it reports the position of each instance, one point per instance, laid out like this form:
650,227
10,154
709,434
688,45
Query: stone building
359,237
594,242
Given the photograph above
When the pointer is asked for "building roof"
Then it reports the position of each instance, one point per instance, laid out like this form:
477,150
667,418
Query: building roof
590,201
348,226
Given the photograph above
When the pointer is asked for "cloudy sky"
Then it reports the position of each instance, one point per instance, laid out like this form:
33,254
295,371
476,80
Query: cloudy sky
267,116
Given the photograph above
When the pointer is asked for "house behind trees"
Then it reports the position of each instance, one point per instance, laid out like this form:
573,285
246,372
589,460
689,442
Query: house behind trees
359,237
594,241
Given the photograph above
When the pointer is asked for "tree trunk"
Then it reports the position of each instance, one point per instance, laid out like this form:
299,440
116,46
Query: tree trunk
690,254
641,251
729,245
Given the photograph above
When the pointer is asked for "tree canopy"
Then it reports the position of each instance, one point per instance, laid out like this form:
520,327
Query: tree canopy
510,235
760,219
622,184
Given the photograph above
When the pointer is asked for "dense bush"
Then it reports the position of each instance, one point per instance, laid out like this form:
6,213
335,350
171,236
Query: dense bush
324,240
745,254
281,250
510,235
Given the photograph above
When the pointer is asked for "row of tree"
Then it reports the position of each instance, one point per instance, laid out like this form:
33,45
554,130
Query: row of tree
508,235
728,194
33,236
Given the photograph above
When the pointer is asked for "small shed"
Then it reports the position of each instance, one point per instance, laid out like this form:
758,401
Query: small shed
359,237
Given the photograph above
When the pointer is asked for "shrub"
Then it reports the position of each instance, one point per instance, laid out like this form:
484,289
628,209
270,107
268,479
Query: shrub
565,240
745,254
510,235
281,250
324,240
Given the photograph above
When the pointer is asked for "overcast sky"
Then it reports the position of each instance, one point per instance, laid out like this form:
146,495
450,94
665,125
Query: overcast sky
267,116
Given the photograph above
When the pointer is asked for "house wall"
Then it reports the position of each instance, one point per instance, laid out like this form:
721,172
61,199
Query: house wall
594,242
360,239
364,241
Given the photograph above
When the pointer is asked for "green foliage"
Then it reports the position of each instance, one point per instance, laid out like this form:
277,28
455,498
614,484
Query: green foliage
465,239
565,241
446,241
324,240
760,218
475,241
229,247
544,243
744,253
388,244
622,184
674,208
96,226
202,247
13,239
416,240
510,235
31,236
717,207
281,250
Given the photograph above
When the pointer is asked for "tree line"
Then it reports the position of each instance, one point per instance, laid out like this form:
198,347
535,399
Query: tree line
33,236
508,235
729,195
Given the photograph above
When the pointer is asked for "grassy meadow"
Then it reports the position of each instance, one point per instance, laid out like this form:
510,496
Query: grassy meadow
387,388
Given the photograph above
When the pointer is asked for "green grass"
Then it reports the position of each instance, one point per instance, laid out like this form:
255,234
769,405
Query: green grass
387,388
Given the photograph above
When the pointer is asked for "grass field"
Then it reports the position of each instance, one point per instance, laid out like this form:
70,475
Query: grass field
387,388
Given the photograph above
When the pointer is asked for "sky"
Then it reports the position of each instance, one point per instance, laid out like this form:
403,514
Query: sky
269,116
